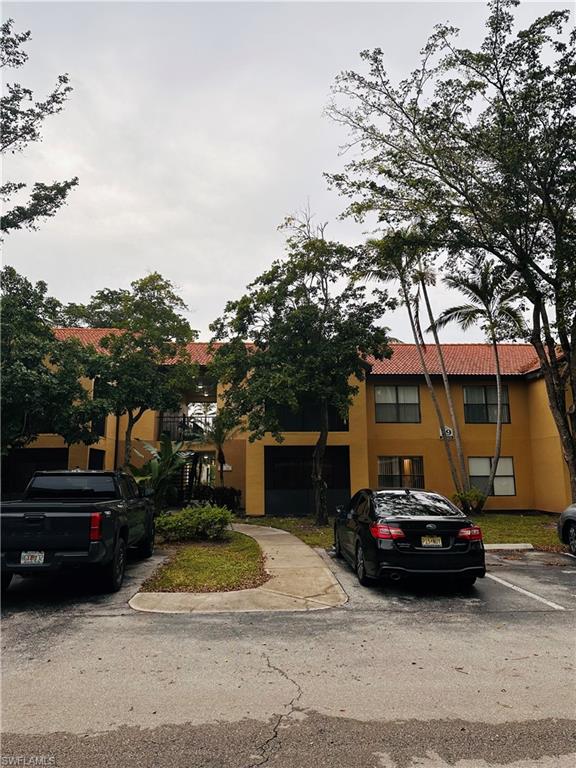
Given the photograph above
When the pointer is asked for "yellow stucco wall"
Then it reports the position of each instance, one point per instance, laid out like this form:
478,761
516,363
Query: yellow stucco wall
531,439
551,484
355,438
423,439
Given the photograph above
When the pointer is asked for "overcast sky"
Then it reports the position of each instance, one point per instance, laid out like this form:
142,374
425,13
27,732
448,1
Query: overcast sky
194,129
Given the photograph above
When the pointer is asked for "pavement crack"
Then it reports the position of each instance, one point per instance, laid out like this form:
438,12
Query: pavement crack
273,742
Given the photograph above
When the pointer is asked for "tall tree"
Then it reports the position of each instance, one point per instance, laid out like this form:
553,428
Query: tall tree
481,145
311,330
145,361
494,305
395,258
22,119
42,388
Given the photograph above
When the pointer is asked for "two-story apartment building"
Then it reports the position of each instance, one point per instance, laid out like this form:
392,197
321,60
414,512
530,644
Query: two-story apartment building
391,437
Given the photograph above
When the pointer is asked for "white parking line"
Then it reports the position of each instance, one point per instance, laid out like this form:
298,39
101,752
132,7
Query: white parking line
525,592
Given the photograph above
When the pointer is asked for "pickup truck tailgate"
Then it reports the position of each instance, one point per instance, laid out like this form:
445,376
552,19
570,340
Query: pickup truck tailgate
46,527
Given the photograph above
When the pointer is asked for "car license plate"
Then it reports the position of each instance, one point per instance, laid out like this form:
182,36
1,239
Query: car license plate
431,541
32,558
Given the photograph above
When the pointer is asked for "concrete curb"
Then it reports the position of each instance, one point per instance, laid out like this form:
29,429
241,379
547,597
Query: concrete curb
506,547
299,581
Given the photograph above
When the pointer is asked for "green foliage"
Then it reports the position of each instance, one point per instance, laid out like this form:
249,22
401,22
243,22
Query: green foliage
471,501
145,363
478,148
495,303
22,119
160,473
42,389
201,523
311,329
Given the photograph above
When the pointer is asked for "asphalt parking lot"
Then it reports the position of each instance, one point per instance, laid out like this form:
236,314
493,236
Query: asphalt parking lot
516,581
403,675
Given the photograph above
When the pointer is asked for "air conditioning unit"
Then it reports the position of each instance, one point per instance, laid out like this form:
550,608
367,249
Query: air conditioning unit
446,433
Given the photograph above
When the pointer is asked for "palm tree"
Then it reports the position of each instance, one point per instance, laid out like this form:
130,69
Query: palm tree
222,428
494,305
394,258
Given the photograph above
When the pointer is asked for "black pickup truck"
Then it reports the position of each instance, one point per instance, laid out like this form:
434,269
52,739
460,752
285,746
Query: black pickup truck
76,519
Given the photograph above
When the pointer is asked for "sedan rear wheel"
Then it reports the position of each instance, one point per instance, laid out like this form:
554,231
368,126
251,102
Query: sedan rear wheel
337,545
572,538
465,582
361,566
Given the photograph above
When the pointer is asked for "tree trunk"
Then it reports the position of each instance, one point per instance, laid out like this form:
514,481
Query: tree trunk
453,472
128,439
318,482
133,417
498,443
221,462
464,476
556,390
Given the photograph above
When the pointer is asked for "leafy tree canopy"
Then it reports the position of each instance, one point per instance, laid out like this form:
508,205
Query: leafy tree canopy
311,329
145,365
22,119
42,377
478,149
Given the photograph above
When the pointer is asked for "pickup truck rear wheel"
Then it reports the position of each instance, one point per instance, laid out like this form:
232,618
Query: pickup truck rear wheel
146,546
113,572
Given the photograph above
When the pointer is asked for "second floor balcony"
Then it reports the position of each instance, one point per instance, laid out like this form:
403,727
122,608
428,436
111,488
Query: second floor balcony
184,428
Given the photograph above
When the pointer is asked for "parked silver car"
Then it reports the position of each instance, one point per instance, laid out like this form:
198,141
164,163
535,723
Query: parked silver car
567,528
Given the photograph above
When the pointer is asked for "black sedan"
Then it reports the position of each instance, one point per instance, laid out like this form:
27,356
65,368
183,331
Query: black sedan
567,528
405,532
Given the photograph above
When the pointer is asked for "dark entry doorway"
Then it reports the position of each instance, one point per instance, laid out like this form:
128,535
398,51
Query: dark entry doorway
288,482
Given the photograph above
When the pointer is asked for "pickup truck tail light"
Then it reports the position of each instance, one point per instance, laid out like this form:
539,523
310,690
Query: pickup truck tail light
96,526
385,531
474,533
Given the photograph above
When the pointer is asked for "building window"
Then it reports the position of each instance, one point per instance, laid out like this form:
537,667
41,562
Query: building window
397,404
504,483
96,458
306,418
400,472
481,406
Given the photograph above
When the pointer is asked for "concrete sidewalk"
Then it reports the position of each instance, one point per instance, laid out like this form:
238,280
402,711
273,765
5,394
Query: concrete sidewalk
299,581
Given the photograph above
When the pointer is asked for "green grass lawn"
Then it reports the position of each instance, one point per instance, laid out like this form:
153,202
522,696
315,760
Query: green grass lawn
210,566
303,527
538,530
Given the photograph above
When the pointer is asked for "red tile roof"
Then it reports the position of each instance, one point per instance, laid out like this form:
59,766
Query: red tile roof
461,359
88,336
92,336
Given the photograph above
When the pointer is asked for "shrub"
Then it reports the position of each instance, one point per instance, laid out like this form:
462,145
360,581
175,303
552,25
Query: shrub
200,523
225,496
471,502
220,496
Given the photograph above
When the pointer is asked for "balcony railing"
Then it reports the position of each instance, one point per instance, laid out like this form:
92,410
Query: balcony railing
183,428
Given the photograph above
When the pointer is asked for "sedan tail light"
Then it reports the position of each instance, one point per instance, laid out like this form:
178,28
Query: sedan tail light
385,531
95,526
474,533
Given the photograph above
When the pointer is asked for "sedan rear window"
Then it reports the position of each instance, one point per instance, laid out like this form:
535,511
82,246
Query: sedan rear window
72,487
414,504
